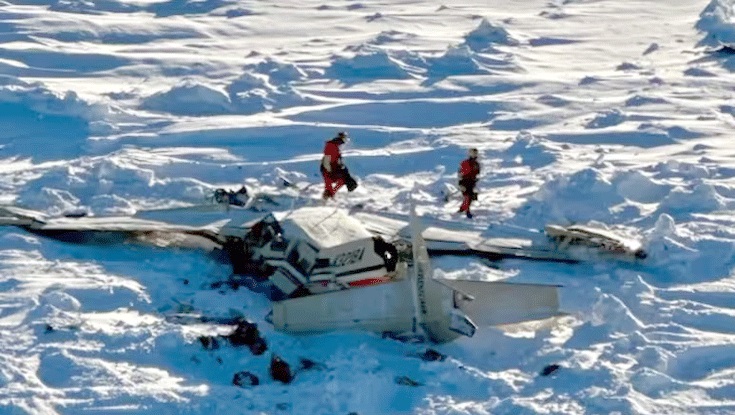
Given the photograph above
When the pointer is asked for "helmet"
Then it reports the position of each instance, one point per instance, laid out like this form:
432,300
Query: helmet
342,135
473,153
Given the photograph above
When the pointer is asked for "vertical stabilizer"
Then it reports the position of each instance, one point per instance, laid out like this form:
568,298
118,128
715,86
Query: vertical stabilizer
418,274
434,307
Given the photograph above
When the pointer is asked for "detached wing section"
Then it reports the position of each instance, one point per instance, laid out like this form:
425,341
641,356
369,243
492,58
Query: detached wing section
201,227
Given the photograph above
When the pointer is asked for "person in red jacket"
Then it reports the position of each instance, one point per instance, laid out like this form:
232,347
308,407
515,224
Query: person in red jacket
333,170
469,169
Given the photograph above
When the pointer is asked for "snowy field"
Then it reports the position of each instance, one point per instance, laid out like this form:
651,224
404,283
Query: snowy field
611,112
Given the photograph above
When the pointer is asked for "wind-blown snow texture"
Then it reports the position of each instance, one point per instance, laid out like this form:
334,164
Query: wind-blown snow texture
613,112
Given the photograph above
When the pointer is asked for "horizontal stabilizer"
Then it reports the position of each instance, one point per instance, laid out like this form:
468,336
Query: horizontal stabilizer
497,303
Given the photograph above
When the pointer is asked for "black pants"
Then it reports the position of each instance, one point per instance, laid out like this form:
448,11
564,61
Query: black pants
342,174
467,186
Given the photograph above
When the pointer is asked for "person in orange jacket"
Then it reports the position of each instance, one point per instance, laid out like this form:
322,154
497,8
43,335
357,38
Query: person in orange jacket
332,167
469,169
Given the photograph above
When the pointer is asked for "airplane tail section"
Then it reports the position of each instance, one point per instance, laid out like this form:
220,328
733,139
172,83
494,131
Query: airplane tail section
419,305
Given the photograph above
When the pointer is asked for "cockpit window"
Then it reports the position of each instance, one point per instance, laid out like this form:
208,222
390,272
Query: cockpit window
264,231
298,261
279,243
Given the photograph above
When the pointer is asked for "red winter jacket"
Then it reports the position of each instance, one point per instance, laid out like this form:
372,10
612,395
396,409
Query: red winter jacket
469,169
331,149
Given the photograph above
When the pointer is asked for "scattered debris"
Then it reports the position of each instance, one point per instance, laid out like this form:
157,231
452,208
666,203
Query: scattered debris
209,342
308,364
406,381
280,370
550,369
47,329
230,197
258,347
431,355
245,334
244,379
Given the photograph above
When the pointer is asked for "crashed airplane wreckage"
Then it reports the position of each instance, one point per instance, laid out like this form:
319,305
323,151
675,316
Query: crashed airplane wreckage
327,270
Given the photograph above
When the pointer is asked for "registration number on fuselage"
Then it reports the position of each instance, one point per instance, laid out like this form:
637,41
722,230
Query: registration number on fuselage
348,258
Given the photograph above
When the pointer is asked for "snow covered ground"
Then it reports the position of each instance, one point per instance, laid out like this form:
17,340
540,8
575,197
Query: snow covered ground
606,111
